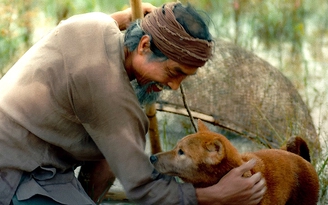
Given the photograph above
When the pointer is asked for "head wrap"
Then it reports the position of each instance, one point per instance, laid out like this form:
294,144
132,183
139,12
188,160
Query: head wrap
170,37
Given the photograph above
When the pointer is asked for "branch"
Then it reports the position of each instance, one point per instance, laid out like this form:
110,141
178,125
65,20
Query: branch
186,106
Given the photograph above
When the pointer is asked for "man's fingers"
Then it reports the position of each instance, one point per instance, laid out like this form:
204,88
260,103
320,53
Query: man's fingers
259,188
246,166
257,177
256,181
147,8
261,184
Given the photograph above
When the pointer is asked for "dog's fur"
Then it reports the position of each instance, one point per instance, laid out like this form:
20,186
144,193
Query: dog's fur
205,157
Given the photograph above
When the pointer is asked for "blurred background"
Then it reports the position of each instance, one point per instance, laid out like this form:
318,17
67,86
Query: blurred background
292,35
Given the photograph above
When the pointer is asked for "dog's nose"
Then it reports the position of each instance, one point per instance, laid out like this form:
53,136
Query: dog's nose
153,159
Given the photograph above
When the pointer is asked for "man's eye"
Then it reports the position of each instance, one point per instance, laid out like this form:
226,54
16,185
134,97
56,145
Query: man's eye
180,152
172,74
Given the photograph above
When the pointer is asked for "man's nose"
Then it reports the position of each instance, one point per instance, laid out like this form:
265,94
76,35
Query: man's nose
175,84
153,159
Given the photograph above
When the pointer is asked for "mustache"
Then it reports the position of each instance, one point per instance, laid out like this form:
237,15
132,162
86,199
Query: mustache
145,93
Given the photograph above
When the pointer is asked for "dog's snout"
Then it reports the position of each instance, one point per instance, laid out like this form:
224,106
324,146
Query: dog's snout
153,159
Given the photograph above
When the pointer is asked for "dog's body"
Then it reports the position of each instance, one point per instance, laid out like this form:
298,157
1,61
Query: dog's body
205,157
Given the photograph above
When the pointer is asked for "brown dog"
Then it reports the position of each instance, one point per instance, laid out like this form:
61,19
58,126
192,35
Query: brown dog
205,157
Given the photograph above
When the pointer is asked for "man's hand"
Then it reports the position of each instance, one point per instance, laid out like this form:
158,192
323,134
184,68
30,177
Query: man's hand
123,18
234,189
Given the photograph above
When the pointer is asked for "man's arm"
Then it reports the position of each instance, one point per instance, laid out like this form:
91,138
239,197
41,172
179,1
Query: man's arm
234,189
123,18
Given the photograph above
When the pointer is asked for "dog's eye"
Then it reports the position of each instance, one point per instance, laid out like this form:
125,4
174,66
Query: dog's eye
180,152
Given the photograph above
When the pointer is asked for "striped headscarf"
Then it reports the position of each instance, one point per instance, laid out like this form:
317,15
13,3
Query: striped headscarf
170,37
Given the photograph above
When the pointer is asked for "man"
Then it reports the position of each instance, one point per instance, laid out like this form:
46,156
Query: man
69,101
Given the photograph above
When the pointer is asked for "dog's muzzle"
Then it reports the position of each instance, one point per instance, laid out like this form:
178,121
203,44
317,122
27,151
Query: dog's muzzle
153,159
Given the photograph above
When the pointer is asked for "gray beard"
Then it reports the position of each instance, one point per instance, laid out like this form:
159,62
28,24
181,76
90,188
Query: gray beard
145,97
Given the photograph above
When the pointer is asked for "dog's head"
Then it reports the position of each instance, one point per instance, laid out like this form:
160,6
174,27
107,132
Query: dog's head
201,158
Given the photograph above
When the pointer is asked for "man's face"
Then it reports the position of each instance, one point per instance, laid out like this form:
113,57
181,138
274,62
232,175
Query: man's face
157,76
147,69
153,75
166,73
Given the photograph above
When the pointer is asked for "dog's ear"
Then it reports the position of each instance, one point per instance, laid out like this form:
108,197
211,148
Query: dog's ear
215,149
201,126
214,146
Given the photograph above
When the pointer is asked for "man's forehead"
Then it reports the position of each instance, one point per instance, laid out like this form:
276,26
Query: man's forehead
185,71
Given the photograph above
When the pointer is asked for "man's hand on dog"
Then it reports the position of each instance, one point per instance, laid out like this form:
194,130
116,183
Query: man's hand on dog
234,189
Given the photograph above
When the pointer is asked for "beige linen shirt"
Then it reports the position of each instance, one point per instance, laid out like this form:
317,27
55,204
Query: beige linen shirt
69,100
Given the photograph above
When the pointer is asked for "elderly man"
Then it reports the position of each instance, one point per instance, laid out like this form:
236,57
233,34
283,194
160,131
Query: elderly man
69,101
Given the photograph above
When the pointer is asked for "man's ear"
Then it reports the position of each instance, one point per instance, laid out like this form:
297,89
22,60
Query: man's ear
144,45
202,126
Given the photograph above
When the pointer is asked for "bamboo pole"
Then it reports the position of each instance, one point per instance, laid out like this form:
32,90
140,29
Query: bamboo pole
150,110
154,138
136,9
